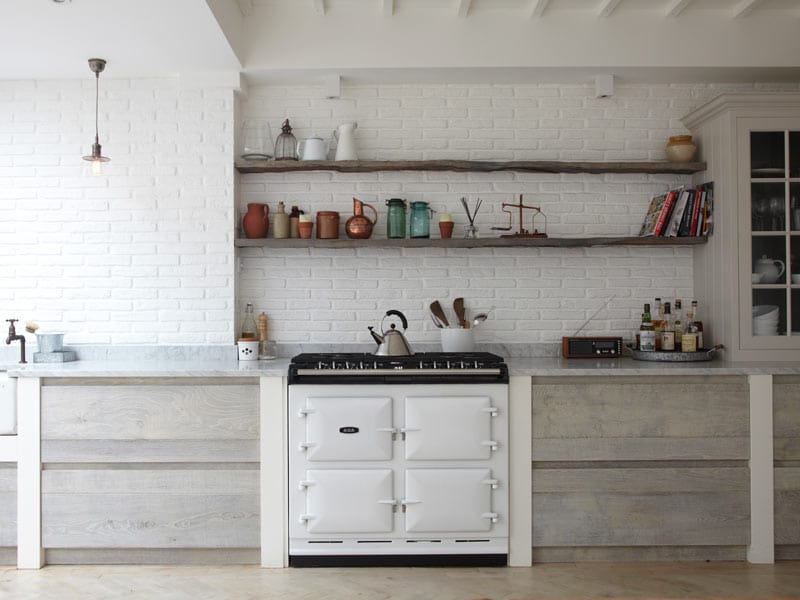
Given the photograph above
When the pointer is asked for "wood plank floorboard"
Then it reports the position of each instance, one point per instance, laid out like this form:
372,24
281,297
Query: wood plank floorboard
567,581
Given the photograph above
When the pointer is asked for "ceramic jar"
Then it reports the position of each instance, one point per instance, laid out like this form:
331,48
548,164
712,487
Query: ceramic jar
281,222
327,225
304,226
256,222
680,148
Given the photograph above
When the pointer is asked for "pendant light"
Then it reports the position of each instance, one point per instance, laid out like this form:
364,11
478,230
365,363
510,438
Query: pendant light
96,157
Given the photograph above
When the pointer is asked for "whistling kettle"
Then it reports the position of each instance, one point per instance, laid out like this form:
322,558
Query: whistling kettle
392,342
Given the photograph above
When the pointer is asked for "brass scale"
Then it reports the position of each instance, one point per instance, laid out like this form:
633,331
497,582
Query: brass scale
522,232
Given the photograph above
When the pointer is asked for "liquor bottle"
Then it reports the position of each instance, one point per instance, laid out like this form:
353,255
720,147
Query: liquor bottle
697,326
249,327
678,324
689,337
658,322
647,335
668,335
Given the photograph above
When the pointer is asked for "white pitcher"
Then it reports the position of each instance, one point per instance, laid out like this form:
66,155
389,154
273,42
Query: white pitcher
346,141
770,269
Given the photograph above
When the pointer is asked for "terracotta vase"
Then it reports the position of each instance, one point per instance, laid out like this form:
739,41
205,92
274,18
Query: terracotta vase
256,221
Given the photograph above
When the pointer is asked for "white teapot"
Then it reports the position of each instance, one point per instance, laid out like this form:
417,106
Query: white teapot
771,269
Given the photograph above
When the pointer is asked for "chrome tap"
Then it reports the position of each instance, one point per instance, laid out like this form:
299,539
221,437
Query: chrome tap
12,336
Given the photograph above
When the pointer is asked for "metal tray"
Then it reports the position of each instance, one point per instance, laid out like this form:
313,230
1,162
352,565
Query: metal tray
699,356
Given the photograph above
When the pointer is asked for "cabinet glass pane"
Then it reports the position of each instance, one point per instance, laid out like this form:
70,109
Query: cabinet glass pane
794,154
795,313
769,312
768,211
767,152
794,203
769,259
794,261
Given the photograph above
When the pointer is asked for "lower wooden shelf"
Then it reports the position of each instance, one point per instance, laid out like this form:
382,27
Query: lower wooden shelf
494,242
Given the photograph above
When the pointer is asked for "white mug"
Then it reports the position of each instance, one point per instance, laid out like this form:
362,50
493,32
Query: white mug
313,148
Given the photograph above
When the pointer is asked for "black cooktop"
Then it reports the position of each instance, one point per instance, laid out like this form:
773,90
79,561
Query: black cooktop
430,367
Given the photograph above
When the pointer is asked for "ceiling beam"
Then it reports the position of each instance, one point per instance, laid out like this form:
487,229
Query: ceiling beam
676,7
744,8
245,7
538,7
607,7
387,8
319,7
462,8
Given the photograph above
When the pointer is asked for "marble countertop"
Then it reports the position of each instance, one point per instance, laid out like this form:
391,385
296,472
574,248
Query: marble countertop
532,367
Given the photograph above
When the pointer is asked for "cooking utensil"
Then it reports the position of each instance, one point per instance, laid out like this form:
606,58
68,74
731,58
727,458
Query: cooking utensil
438,311
436,321
479,318
458,307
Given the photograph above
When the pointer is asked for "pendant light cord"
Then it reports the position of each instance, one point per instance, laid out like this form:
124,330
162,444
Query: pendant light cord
96,106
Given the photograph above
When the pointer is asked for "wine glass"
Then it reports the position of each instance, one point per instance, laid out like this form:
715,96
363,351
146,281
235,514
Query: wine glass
776,209
760,210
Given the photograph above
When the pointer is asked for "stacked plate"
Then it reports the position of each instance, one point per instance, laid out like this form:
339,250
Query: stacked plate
765,319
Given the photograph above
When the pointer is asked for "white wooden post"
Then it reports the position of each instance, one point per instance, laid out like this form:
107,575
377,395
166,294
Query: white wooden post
274,473
762,523
520,542
29,474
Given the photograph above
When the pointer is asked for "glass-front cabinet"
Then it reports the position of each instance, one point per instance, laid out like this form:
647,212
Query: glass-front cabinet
769,227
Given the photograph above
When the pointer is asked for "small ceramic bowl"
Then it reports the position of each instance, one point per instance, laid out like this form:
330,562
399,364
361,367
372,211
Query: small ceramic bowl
755,277
796,278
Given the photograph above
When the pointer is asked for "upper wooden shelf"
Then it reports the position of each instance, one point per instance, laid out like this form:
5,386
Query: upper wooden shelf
493,242
479,166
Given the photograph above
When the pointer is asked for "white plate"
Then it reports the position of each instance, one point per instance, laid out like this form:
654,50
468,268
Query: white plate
768,171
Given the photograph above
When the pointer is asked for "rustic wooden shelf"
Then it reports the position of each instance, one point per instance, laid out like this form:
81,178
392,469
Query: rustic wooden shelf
477,166
494,242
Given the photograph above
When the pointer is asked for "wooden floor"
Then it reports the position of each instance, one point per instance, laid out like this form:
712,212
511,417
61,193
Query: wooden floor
606,580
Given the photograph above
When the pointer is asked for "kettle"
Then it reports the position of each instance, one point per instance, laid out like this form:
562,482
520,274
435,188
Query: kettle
392,342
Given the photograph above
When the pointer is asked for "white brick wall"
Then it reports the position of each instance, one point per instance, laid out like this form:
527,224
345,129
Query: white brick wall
140,255
539,295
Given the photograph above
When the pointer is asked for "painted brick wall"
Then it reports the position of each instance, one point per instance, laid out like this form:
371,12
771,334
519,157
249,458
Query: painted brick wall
142,254
538,295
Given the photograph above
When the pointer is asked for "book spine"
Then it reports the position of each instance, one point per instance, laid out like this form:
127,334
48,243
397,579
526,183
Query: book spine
677,213
700,197
686,219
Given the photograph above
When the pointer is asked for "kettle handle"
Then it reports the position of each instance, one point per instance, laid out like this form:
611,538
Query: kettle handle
782,265
397,313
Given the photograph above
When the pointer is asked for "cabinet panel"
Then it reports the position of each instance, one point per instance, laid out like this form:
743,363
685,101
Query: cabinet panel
150,412
150,509
8,506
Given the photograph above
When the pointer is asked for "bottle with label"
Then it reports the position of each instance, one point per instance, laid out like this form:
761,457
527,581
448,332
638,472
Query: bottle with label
647,335
697,326
677,323
689,337
668,335
658,322
281,222
249,328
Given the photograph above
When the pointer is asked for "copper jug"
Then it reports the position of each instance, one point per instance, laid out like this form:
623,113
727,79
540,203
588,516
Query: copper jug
359,226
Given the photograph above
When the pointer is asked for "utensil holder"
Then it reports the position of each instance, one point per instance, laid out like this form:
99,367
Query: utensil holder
248,350
457,340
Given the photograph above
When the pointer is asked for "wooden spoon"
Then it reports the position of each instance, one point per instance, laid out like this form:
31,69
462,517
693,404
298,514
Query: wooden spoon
458,307
438,312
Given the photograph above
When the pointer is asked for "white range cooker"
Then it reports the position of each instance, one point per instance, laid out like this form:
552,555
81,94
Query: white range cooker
398,460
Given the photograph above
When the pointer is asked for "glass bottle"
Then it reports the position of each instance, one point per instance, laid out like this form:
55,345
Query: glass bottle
396,221
249,328
647,335
696,326
420,226
266,349
658,322
689,337
668,335
678,324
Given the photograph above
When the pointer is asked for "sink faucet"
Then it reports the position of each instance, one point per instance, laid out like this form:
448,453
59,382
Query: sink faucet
12,336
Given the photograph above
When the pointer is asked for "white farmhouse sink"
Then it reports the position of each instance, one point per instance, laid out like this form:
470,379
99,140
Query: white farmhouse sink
8,404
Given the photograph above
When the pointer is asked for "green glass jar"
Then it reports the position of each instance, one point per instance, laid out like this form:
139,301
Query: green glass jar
396,220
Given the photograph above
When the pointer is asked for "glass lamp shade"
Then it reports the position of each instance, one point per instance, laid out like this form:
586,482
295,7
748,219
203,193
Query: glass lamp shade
286,144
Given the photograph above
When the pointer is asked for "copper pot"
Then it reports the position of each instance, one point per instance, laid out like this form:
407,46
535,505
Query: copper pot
359,227
327,225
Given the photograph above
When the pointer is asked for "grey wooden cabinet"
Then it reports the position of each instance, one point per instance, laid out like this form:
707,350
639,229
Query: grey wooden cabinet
144,471
8,513
640,468
786,419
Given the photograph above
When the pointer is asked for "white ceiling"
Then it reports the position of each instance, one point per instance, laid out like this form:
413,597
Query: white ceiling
404,40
